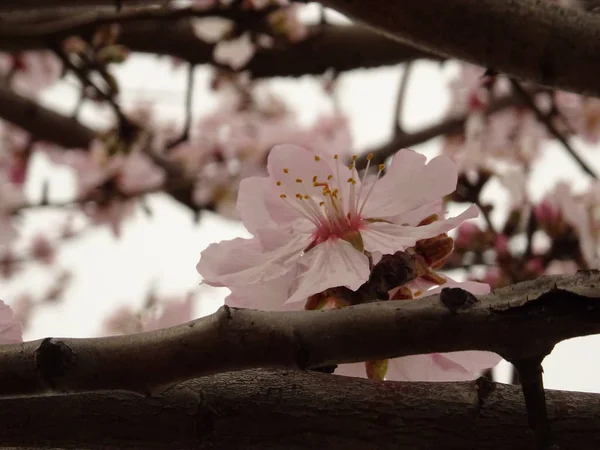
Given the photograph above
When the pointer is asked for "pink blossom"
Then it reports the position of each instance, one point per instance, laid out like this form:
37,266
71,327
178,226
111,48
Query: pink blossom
166,314
173,312
313,219
452,366
42,249
31,71
10,328
235,52
465,234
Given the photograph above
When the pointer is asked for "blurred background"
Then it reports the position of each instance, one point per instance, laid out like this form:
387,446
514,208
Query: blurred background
87,277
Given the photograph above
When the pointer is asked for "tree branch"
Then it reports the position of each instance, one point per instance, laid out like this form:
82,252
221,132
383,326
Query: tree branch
341,48
547,122
550,308
43,123
447,126
531,40
293,410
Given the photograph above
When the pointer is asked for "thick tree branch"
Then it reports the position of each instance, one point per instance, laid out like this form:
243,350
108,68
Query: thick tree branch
340,48
41,122
532,40
293,410
551,309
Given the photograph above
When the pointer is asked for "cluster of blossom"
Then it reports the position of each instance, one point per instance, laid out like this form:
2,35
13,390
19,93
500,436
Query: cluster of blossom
234,45
319,226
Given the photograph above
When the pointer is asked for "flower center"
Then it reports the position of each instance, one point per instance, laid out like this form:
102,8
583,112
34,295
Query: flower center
334,204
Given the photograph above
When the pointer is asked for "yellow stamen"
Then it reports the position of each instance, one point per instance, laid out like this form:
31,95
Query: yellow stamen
381,167
283,196
369,156
317,158
298,180
286,170
278,183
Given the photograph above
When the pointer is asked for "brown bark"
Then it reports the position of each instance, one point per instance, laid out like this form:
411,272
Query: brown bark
551,308
536,41
294,410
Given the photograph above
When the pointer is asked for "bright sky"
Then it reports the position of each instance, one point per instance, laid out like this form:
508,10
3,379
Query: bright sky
162,250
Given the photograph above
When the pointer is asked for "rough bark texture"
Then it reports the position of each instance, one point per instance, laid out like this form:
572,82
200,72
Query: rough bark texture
533,40
550,308
289,410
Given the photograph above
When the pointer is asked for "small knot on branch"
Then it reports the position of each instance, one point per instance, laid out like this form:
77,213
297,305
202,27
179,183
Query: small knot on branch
457,299
53,359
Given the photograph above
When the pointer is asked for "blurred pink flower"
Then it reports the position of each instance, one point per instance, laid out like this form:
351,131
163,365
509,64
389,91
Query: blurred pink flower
313,218
31,71
167,313
10,329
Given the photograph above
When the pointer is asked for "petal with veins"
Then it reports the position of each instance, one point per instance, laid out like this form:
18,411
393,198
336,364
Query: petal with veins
332,263
243,261
409,183
389,238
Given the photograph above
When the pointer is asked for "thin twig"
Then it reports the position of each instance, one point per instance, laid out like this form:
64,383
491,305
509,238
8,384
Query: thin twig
543,118
185,135
401,99
82,75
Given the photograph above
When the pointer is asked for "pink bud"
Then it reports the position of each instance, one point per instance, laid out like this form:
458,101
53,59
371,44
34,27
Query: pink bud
501,244
545,212
466,233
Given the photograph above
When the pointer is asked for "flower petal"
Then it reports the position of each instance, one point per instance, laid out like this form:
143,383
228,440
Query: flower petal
333,263
288,163
251,205
409,183
268,296
245,261
389,238
473,361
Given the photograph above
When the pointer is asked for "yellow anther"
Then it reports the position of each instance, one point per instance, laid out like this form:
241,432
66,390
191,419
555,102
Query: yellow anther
306,197
321,203
381,167
317,158
369,156
330,177
283,196
335,156
315,179
278,183
298,180
352,166
286,170
299,196
351,180
354,157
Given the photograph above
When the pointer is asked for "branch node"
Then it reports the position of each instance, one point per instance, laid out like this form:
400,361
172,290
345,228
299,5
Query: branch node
457,299
53,359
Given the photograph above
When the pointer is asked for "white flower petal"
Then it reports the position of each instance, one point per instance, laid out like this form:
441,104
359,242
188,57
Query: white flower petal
235,53
389,238
333,263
